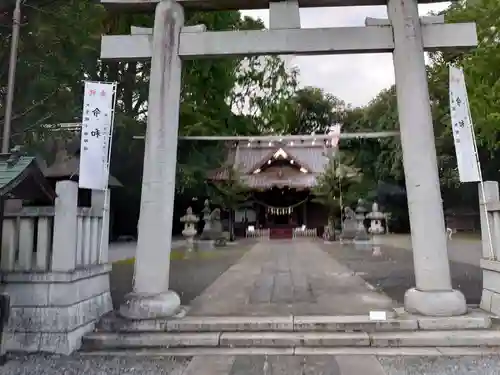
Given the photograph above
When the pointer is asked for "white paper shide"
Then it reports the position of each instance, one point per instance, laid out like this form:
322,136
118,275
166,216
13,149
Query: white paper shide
97,128
463,131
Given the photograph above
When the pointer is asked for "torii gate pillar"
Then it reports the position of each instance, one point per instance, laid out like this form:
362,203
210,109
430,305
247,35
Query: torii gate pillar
433,294
151,297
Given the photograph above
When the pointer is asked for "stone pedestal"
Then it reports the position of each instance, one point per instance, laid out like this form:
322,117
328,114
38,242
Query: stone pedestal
52,311
151,297
433,294
490,299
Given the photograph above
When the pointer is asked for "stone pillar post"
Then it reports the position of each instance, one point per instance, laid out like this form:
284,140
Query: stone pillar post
65,228
491,194
100,202
433,294
151,297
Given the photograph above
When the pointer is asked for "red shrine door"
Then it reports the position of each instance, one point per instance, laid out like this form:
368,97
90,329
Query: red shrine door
281,227
280,233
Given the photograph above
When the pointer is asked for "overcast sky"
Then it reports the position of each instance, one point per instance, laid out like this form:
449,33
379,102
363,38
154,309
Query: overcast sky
356,79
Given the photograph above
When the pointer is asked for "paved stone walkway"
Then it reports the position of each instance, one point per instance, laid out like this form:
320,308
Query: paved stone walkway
288,277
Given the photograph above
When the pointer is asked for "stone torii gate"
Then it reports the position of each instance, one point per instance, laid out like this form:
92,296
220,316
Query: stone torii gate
404,34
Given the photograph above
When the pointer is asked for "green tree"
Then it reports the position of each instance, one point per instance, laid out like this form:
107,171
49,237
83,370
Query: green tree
340,185
230,193
311,110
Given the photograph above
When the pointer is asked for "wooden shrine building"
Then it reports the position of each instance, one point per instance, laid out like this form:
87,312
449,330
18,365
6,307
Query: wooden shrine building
281,176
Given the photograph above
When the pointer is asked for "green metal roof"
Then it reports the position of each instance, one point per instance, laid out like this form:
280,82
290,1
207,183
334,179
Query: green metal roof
10,172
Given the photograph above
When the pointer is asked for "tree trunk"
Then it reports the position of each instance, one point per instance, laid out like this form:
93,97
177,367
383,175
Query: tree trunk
231,225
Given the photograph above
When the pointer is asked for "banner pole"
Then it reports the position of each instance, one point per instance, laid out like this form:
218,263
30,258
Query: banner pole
106,203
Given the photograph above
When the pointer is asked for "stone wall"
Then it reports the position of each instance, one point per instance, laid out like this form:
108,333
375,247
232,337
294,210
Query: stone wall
58,287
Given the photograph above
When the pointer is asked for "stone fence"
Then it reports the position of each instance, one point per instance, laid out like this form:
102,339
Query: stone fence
258,233
490,262
307,232
55,269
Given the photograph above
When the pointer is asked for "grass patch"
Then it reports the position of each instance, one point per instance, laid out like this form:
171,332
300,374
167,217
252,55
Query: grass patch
180,254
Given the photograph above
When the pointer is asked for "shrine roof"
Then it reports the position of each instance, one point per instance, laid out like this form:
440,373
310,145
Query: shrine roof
68,166
248,158
66,163
21,177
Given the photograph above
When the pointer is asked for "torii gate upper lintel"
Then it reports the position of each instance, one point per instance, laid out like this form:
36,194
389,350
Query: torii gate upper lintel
405,34
149,5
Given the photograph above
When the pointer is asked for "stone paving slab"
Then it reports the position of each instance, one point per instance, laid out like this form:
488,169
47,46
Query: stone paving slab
210,365
288,277
286,365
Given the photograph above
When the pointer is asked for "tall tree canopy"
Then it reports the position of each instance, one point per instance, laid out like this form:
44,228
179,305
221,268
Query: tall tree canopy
59,49
311,110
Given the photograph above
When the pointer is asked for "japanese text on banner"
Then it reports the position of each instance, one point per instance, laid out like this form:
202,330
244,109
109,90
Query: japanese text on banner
96,135
462,127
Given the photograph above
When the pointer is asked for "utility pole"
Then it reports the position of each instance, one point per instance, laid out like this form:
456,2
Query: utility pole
16,25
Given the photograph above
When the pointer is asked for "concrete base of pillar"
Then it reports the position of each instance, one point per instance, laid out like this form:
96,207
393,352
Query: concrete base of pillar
435,303
51,311
150,306
490,299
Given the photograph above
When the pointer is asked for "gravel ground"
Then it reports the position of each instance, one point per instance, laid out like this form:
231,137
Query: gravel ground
75,365
489,365
188,277
393,272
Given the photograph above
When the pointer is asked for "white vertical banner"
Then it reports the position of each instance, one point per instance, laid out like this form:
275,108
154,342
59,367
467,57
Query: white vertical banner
463,129
97,131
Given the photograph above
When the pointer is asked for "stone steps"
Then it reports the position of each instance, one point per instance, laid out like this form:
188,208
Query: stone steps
103,341
312,323
301,351
293,333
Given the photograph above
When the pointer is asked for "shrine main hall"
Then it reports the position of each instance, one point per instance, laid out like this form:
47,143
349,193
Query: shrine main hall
280,176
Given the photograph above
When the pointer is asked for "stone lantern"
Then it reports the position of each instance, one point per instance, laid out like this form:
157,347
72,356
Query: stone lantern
376,218
361,234
376,227
189,231
207,228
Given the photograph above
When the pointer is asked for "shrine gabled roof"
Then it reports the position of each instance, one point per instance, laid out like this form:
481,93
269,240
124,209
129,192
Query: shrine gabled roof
21,177
247,158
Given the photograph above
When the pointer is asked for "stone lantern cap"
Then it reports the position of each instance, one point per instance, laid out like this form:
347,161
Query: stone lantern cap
375,214
189,217
360,208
